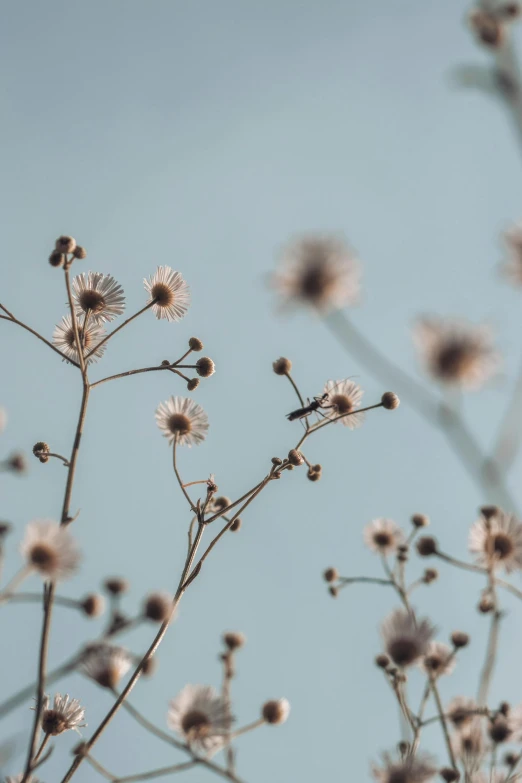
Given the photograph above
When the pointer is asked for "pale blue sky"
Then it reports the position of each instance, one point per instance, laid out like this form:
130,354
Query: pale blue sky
203,135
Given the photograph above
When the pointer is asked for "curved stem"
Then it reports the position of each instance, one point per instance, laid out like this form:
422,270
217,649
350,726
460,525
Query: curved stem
40,337
180,482
119,328
128,373
157,773
25,598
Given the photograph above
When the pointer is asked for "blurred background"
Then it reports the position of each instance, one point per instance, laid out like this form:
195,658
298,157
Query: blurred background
204,135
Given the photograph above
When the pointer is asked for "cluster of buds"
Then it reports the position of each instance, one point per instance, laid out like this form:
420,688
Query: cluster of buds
65,251
490,25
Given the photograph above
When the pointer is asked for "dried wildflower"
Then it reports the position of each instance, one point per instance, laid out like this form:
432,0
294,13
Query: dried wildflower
64,715
200,716
205,367
90,336
383,536
93,605
282,366
276,711
56,258
319,271
455,352
461,711
50,549
234,640
182,420
420,520
344,397
390,401
459,639
116,585
406,639
497,541
41,448
409,769
438,660
158,607
426,546
192,384
169,292
295,457
195,344
98,295
468,744
106,664
80,252
507,727
65,244
331,575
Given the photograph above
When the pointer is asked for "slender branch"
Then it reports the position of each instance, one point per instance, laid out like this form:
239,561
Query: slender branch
491,655
26,598
249,727
128,373
348,580
180,482
157,773
151,727
120,327
443,722
40,337
23,694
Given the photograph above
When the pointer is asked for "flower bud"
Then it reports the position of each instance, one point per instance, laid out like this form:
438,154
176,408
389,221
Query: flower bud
282,366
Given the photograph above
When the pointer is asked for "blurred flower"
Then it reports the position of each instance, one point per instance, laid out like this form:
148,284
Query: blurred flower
411,769
98,295
182,420
405,638
201,716
319,271
507,728
276,711
344,397
106,664
438,660
169,292
65,714
455,352
461,710
468,745
50,549
90,336
383,536
497,542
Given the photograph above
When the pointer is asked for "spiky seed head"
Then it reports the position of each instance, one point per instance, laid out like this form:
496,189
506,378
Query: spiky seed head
236,525
295,457
459,639
382,661
430,575
195,344
390,401
93,605
282,366
420,520
221,503
331,574
426,546
150,666
334,591
116,585
158,607
79,252
41,448
275,711
449,774
193,384
56,258
234,640
65,244
205,367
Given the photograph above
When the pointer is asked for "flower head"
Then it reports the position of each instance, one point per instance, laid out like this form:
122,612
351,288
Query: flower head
383,536
50,549
182,420
106,664
439,659
344,397
65,714
461,711
276,711
169,292
98,295
319,271
410,769
405,638
90,336
507,727
468,744
456,353
201,716
497,541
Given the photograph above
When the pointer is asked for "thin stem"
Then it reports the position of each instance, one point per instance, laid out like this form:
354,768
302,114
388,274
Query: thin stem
150,652
128,373
348,580
74,320
151,727
307,423
510,429
11,586
22,695
121,326
180,482
157,773
100,768
249,727
42,748
26,598
58,456
443,722
491,656
40,337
